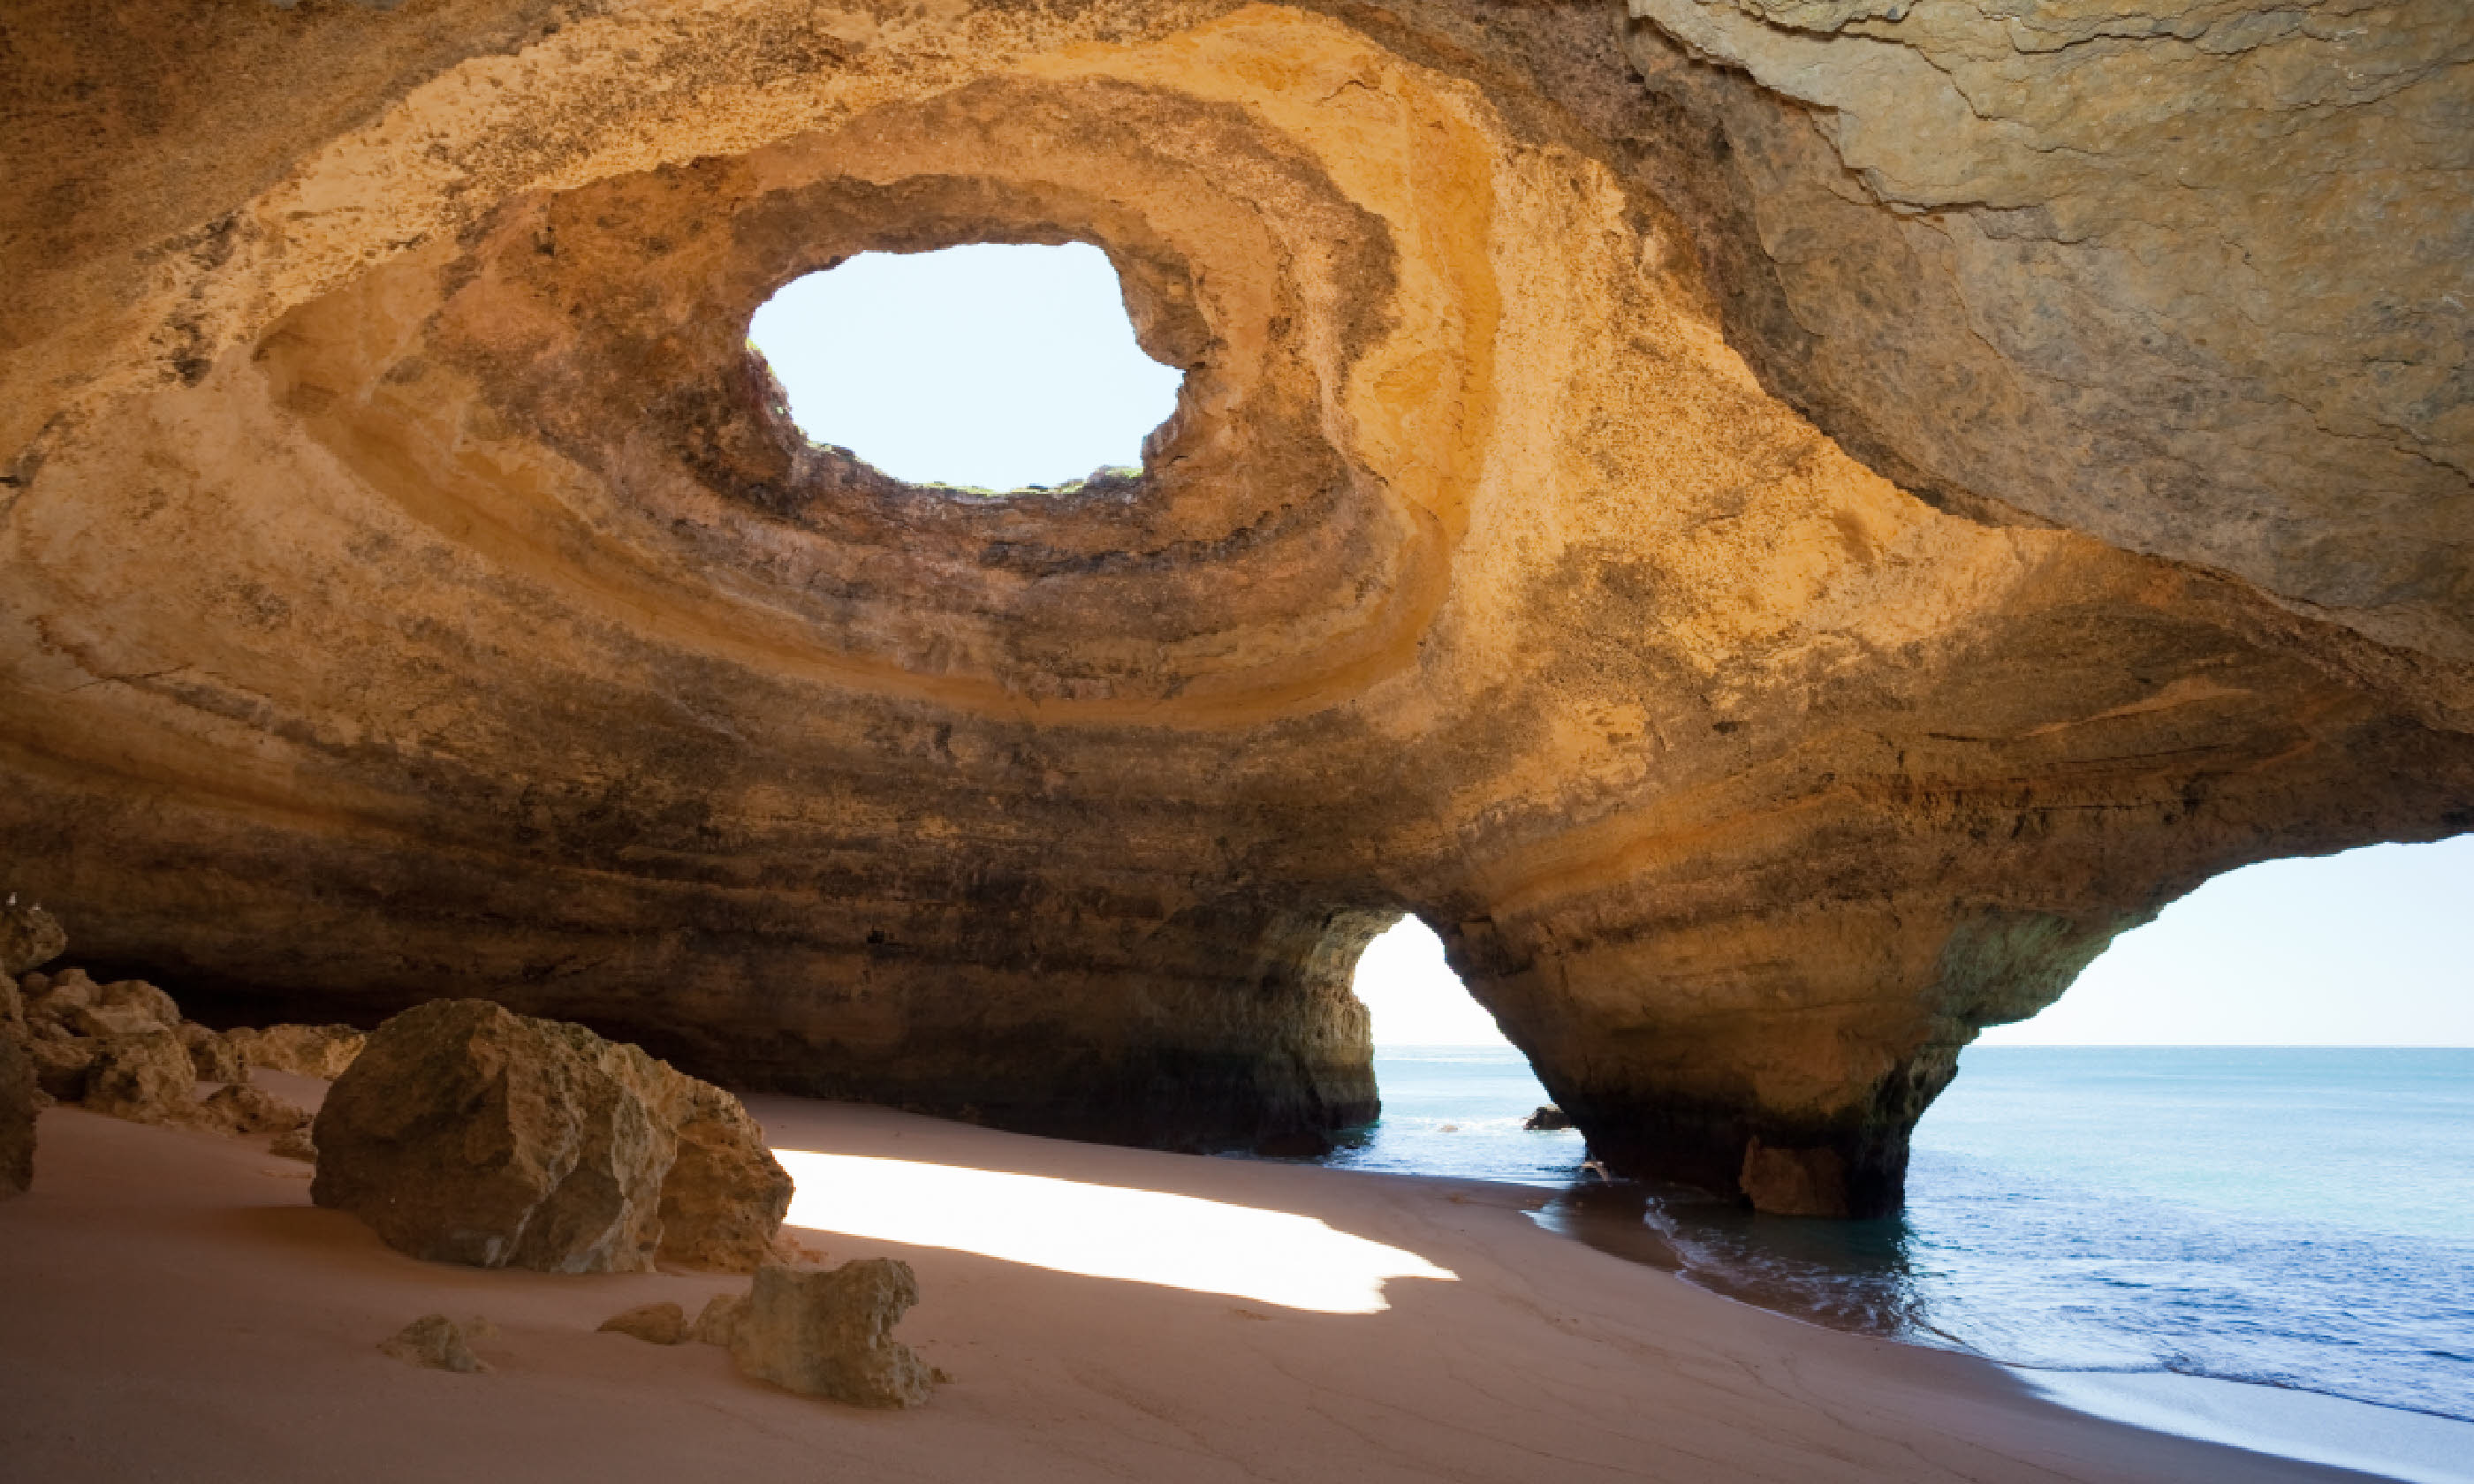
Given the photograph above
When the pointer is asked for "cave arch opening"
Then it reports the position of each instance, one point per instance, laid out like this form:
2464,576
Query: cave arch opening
1459,1098
990,367
2366,947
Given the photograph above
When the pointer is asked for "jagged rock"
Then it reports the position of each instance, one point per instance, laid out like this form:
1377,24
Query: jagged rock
152,1005
468,1134
243,1108
296,1144
60,996
213,1053
659,1324
436,1342
302,1050
829,1333
105,1022
29,937
60,1065
718,1321
19,1093
724,1198
1548,1116
145,1078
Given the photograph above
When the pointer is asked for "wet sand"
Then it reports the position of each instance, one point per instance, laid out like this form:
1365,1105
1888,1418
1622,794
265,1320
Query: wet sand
175,1308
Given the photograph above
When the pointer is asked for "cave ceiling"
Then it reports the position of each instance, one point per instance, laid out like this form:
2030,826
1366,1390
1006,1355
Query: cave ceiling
1780,527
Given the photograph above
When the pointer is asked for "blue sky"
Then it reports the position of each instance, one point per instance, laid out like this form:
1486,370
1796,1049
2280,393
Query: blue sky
990,365
1010,366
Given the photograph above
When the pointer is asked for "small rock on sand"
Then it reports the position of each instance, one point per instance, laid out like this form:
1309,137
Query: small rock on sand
295,1145
830,1335
434,1341
245,1109
658,1323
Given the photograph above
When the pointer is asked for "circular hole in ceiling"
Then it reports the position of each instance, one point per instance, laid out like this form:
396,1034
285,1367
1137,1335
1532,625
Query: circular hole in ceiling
988,367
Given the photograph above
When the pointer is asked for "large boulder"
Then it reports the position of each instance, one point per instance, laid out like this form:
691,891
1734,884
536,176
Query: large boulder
144,1077
302,1050
726,1196
468,1134
831,1333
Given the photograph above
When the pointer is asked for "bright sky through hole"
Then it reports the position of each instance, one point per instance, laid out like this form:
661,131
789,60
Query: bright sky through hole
1414,997
2373,947
989,366
1071,1226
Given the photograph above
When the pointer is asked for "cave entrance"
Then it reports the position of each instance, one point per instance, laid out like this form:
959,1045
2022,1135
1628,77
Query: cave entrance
1457,1096
993,369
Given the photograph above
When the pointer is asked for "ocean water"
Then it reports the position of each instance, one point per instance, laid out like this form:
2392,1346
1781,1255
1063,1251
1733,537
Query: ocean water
2298,1217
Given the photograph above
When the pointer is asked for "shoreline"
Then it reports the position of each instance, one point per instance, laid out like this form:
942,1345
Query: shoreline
179,1309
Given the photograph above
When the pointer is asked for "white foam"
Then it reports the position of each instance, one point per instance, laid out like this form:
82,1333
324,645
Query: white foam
2392,1442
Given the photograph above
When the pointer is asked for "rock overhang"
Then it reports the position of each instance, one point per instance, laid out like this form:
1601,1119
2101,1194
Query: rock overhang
424,585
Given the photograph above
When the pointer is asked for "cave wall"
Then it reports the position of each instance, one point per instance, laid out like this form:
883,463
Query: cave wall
1598,518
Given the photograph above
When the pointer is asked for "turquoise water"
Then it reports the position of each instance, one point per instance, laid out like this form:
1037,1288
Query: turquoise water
2296,1217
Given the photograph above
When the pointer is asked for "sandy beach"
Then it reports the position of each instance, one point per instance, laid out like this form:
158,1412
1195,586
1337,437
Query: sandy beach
176,1309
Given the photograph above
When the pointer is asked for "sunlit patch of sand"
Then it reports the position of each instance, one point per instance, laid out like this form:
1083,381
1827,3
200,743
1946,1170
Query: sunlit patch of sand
1071,1226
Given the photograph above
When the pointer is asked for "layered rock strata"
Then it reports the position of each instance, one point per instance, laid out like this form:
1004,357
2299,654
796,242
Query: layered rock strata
466,1134
1779,528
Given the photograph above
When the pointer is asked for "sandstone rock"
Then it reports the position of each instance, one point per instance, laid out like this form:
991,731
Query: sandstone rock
152,1005
468,1134
213,1054
296,1144
1548,1116
60,1065
145,1078
659,1324
62,995
29,937
829,1333
302,1050
718,1323
19,1092
436,1342
241,1108
104,1022
1777,526
725,1195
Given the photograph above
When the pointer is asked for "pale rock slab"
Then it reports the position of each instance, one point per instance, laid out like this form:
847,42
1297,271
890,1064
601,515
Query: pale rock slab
831,1333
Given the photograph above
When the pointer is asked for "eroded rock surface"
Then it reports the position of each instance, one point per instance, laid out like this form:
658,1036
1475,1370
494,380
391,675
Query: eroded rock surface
467,1133
436,1343
656,1324
829,1333
20,1095
1779,527
324,1051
